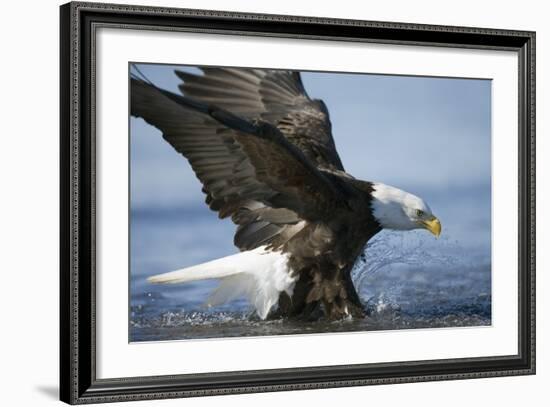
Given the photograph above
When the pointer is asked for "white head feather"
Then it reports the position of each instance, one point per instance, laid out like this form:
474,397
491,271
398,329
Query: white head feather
397,209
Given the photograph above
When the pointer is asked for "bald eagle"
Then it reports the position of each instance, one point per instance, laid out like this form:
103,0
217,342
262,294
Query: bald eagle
265,155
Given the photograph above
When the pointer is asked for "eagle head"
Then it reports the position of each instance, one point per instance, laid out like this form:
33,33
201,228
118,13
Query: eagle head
399,210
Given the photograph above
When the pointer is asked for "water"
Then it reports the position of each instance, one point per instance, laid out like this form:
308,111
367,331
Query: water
405,280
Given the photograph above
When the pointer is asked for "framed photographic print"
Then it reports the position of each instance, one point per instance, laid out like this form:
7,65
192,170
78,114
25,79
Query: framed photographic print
258,203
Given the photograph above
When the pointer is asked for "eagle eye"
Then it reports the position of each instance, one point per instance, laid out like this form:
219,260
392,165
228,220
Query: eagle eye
419,213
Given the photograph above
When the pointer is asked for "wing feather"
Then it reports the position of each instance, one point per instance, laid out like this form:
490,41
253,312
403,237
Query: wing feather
235,159
263,163
275,96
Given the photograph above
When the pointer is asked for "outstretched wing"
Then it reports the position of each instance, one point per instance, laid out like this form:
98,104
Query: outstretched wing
275,96
243,164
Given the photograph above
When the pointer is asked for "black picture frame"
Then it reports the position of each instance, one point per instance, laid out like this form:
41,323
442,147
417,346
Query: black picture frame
78,382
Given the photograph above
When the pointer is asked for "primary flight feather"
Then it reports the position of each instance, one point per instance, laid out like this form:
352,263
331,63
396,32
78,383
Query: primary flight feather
264,153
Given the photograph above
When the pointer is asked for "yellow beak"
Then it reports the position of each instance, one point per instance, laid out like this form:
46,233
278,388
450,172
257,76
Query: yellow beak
433,225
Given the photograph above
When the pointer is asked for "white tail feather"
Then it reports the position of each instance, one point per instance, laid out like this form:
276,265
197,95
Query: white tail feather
258,275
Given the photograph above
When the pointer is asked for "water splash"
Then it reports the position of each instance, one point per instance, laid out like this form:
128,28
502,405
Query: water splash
389,249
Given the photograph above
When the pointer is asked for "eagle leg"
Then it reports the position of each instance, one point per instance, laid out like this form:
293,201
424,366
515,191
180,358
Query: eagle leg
315,299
